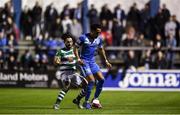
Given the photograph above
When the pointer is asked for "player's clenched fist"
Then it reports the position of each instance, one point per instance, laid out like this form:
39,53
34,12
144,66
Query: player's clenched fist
80,62
57,60
108,64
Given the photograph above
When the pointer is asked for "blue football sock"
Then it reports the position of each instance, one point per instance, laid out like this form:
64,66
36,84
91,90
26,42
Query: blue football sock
88,91
99,88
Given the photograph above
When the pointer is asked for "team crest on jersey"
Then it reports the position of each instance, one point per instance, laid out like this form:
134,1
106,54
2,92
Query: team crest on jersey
86,41
96,41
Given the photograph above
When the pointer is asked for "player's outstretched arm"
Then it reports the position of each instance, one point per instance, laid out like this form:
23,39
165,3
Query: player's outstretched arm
77,55
103,54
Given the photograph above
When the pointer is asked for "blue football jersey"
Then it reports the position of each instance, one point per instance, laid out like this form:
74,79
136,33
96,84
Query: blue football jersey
88,48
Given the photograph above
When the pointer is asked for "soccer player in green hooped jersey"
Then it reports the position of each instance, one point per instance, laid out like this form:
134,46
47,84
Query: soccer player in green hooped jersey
68,76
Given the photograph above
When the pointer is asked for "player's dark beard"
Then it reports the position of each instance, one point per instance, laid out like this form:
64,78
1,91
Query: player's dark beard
68,46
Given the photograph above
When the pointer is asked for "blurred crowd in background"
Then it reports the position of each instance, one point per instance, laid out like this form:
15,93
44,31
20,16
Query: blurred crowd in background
133,29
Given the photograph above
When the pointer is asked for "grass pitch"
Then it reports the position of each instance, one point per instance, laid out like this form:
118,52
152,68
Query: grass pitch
40,101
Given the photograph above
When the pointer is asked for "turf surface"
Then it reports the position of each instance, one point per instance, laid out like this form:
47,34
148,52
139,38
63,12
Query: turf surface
40,101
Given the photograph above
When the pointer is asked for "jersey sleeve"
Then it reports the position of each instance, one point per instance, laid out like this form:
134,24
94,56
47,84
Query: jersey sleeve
80,40
100,45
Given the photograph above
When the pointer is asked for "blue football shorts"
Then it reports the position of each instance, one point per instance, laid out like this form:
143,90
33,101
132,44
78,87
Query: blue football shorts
89,68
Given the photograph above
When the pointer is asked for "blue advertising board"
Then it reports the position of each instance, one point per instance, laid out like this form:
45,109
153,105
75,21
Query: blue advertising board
152,80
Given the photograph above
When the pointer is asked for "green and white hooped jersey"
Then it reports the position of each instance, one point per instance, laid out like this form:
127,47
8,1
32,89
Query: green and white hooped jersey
64,54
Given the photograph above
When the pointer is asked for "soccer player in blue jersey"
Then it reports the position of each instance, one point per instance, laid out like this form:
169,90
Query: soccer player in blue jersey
90,43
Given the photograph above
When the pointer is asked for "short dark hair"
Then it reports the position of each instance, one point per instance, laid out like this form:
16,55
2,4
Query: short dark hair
95,26
67,35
